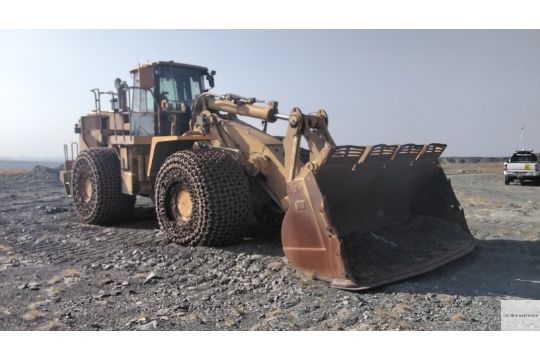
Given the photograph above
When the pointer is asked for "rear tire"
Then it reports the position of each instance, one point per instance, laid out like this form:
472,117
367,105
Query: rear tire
202,198
97,188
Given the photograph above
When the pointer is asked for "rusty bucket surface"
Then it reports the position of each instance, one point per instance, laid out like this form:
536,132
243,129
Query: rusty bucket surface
372,215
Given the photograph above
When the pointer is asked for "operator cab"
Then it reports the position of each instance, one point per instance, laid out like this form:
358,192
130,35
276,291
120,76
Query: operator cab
162,96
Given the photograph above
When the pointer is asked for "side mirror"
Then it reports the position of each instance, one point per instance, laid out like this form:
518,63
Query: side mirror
121,93
210,78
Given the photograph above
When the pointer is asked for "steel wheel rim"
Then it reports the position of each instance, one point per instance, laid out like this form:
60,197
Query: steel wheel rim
87,188
184,205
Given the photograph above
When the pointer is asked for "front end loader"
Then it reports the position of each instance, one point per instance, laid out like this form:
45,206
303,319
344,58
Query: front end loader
356,216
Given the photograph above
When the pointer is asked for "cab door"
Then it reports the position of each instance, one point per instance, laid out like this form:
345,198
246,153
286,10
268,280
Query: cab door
143,113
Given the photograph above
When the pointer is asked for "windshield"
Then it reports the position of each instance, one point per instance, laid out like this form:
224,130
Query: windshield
523,158
177,85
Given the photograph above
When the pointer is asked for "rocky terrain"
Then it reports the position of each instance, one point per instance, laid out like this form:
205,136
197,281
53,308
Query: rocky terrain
56,274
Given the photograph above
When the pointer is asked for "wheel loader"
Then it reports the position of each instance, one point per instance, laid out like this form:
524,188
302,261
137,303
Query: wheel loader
356,216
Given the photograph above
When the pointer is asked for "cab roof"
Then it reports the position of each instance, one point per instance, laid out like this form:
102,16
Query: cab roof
168,63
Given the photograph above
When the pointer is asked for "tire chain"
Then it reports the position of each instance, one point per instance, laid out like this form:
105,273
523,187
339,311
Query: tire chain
107,205
221,201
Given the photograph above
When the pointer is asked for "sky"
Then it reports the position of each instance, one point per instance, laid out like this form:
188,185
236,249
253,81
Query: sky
473,90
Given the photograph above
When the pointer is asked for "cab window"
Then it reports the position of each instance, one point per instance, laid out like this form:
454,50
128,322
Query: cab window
179,85
143,101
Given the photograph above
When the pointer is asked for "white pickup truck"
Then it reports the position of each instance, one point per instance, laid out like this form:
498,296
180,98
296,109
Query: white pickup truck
522,166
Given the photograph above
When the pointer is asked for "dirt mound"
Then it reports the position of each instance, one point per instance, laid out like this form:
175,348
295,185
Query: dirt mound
46,173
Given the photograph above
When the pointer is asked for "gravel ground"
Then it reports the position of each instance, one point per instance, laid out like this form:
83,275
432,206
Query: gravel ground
56,274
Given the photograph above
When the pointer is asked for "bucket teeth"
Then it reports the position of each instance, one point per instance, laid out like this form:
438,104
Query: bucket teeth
433,151
357,155
347,155
382,152
411,151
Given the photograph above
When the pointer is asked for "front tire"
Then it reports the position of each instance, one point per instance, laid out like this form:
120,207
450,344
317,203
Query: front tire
202,198
97,188
506,180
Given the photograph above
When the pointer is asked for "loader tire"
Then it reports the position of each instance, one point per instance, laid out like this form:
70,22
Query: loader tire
97,188
202,197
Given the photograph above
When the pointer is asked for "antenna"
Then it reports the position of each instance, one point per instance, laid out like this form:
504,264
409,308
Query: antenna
522,134
138,50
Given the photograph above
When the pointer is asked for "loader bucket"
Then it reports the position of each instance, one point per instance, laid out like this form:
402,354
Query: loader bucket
372,215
